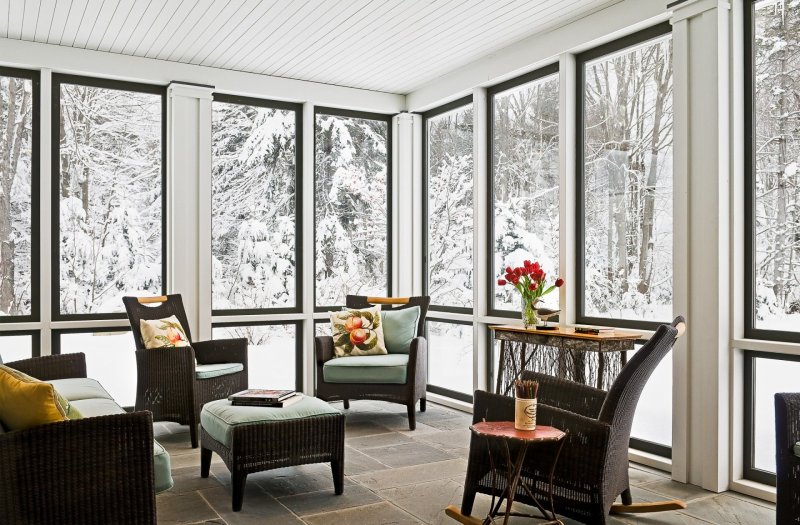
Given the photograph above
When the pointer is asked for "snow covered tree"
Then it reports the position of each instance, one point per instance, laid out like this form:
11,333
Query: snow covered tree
253,207
776,52
351,201
16,109
526,180
628,183
450,208
111,197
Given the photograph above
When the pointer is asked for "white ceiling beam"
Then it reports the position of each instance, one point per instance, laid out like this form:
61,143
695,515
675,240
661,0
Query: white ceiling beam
60,59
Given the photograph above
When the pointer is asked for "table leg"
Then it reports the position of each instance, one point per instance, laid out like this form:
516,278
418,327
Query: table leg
514,475
601,364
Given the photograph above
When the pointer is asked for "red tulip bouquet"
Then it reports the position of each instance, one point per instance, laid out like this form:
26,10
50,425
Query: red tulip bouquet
529,280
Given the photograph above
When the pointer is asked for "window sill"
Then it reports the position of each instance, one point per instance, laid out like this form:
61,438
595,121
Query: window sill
754,489
650,460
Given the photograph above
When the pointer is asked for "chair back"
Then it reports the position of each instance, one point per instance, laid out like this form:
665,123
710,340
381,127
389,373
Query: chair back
623,396
151,308
394,303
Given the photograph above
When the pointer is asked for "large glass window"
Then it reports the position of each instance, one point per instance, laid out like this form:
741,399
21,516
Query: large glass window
449,171
773,192
109,192
765,375
652,423
110,358
351,197
524,179
18,345
625,181
19,186
255,203
273,356
450,359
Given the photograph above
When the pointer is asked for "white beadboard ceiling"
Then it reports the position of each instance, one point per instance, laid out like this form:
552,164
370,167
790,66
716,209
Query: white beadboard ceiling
394,46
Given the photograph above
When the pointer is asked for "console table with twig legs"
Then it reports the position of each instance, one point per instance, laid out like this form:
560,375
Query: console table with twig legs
591,359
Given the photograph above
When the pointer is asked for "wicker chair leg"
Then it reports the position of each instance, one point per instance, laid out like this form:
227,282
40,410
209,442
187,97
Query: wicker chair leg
193,432
238,480
468,499
205,462
626,497
422,405
337,468
412,415
346,404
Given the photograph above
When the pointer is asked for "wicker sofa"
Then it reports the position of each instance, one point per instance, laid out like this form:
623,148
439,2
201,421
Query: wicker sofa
104,468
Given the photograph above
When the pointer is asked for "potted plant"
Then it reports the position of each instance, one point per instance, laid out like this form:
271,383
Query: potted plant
529,280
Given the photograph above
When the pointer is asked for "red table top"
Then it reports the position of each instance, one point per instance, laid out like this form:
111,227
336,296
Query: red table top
505,429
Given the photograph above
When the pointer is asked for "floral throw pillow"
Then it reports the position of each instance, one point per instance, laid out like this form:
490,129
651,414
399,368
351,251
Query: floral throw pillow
163,333
358,332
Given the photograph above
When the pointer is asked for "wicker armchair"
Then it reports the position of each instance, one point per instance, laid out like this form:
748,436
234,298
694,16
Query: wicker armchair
97,470
787,434
167,378
407,393
593,467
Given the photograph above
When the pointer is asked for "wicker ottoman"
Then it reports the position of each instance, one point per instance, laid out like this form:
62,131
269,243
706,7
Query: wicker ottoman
252,439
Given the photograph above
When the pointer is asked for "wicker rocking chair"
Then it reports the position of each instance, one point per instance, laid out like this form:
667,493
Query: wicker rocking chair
593,467
175,383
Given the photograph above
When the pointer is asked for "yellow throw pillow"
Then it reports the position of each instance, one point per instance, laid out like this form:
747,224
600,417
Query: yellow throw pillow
26,402
163,333
358,332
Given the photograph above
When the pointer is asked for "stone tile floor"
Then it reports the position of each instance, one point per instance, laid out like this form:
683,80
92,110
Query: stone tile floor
394,476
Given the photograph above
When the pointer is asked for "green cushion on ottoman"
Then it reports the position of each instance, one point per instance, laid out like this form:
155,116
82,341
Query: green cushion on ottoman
217,369
796,449
390,368
219,418
161,464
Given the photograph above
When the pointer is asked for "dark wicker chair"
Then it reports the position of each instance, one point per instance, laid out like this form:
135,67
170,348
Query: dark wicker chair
787,433
593,467
417,374
167,383
97,470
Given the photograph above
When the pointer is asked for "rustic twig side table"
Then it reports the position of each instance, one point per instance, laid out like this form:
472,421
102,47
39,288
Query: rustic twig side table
590,359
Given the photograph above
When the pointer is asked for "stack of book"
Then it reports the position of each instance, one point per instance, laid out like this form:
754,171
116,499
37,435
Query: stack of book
593,331
265,398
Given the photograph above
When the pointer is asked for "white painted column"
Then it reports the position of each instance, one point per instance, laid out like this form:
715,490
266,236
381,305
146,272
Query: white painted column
480,240
701,116
45,212
189,201
417,175
567,187
404,216
309,363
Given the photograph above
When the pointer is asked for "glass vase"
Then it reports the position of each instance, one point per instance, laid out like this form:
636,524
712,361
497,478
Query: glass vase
529,317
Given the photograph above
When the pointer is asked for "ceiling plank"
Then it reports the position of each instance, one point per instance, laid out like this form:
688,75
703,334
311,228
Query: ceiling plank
30,17
44,20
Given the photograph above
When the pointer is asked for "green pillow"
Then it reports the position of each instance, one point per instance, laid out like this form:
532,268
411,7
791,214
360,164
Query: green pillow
399,329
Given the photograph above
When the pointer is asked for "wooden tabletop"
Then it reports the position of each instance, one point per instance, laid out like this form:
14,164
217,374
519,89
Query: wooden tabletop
505,429
568,333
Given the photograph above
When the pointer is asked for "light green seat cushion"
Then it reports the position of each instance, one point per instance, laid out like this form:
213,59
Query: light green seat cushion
162,468
217,369
797,449
97,407
75,389
220,417
389,368
399,329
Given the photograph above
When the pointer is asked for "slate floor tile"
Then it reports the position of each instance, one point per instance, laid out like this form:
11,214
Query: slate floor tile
326,501
173,508
724,509
453,468
257,508
356,462
383,513
426,501
407,455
